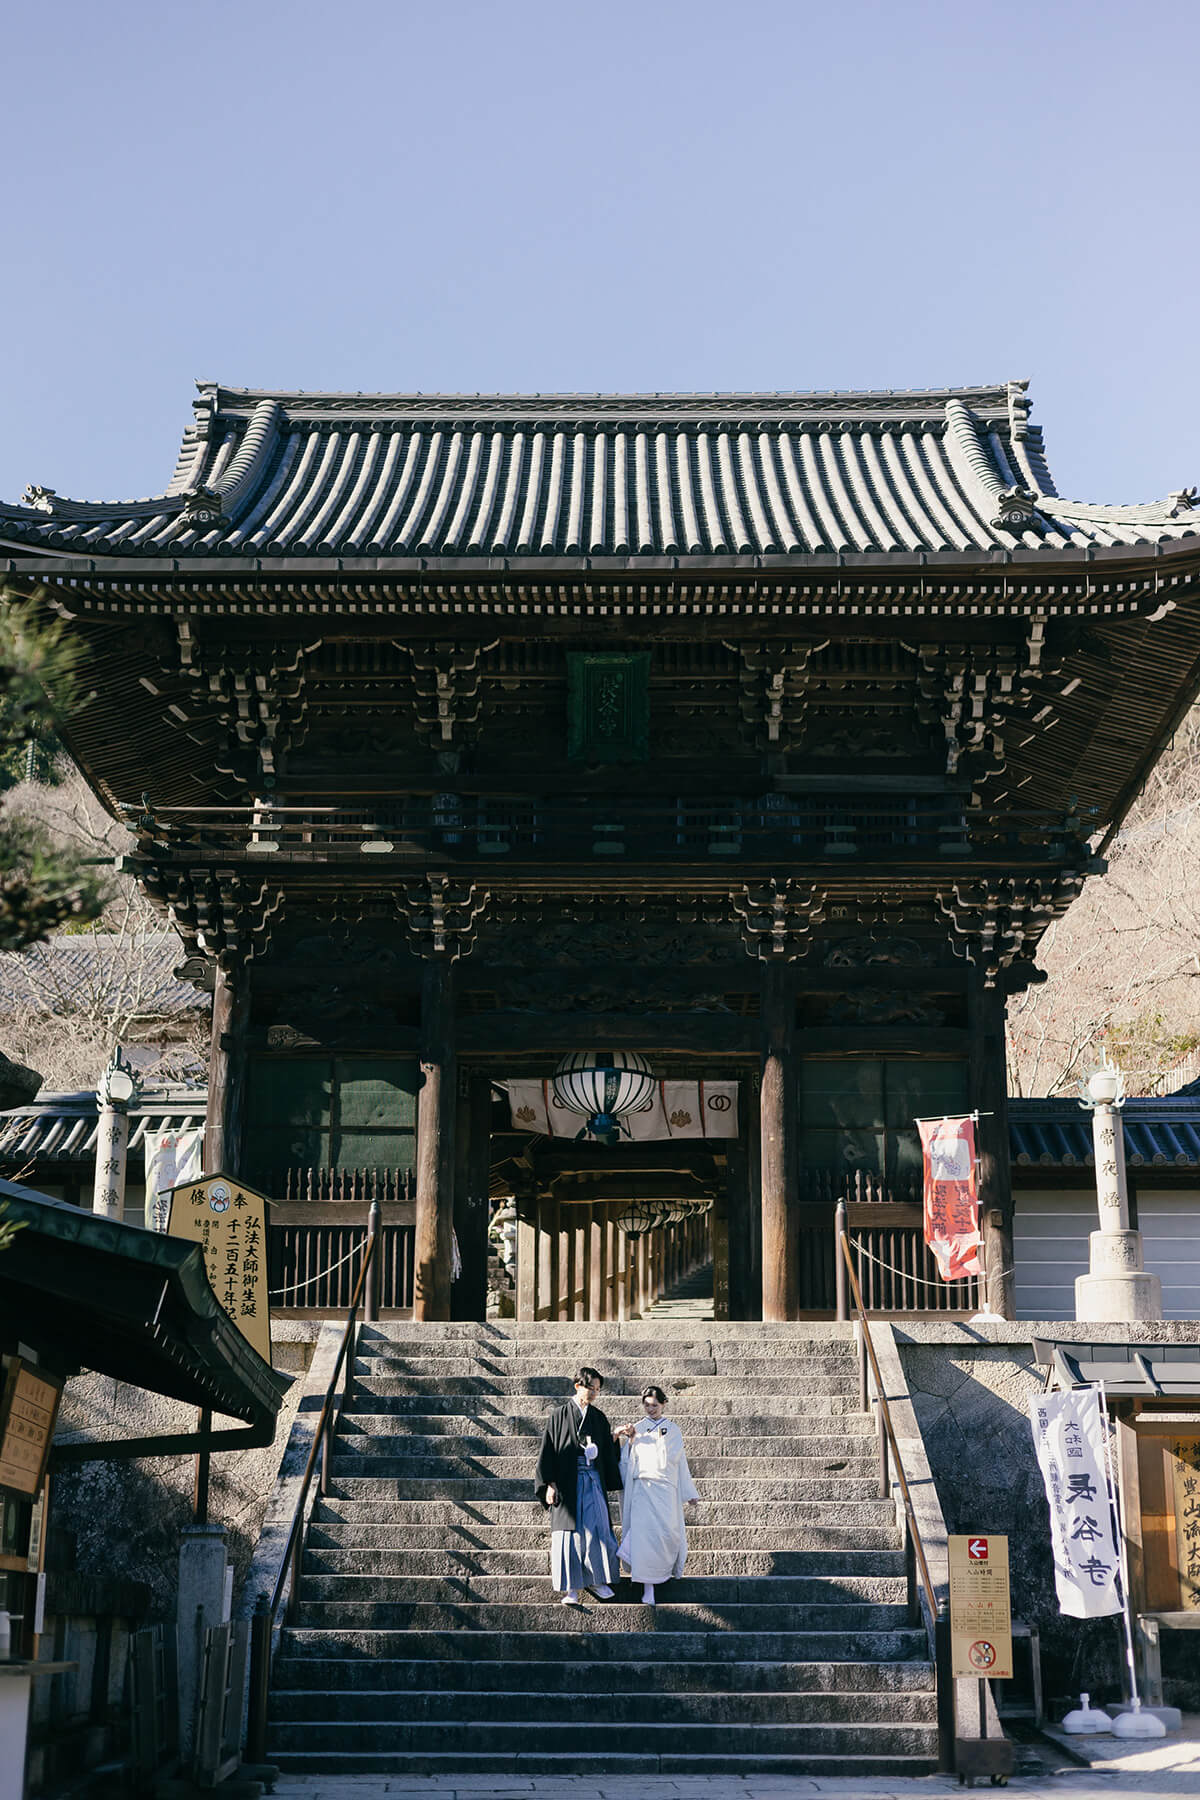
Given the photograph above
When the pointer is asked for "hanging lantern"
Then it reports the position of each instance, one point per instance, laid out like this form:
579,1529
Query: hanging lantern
639,1217
603,1086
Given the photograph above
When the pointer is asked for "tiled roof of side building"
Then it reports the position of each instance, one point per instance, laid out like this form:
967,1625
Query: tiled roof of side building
410,476
132,975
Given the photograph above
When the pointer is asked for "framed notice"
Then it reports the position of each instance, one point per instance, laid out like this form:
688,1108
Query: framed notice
228,1220
28,1411
980,1609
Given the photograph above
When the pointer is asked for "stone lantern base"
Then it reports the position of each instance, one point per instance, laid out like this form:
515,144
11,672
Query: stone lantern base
1117,1287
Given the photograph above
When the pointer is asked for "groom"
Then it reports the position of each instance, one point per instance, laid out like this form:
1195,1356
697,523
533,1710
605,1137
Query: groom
578,1462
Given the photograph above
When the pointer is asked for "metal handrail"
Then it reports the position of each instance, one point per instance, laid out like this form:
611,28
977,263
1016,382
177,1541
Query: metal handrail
266,1612
914,1530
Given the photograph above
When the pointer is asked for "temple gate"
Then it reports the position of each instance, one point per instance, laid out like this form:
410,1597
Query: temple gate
763,735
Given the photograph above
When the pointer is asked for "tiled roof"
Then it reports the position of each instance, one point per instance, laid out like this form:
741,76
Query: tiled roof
62,1127
71,973
411,476
1057,1134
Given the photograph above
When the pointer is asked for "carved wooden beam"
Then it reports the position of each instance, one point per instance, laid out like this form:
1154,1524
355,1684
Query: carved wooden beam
440,916
777,917
994,922
446,678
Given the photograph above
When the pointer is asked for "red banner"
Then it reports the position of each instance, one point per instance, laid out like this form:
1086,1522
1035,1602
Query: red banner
951,1195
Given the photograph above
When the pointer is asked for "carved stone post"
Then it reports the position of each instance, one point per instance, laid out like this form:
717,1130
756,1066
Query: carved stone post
223,1147
989,1093
1116,1286
468,1295
436,1109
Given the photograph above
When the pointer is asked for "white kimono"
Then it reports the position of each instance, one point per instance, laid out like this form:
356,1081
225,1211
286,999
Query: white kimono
657,1482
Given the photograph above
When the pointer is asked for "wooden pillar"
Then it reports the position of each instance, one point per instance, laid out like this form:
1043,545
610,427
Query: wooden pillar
721,1235
738,1210
225,1125
526,1258
780,1215
436,1132
989,1093
472,1171
754,1287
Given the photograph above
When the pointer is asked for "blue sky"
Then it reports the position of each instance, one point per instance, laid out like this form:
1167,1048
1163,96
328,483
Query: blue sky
647,194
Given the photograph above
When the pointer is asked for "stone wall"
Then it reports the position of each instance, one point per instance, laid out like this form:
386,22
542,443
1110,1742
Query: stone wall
971,1387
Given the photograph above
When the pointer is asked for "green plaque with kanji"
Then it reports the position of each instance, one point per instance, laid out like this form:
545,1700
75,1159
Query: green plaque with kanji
608,707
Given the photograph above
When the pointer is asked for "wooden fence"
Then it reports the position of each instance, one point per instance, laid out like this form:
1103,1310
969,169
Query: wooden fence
575,1262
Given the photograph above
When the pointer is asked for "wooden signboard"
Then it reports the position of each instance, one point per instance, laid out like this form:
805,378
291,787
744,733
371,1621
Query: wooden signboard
980,1609
28,1411
1185,1471
228,1220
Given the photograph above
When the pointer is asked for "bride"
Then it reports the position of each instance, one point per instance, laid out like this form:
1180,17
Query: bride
657,1485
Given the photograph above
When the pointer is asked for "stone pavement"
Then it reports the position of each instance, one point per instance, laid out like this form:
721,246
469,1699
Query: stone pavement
1164,1766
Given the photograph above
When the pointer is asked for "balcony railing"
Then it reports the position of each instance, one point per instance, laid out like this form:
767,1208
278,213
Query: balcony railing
762,828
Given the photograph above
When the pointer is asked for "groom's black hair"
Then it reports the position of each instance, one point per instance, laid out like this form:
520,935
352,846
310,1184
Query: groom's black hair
585,1378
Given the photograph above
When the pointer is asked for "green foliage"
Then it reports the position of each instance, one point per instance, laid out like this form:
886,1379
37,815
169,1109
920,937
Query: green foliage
8,1231
1147,1047
42,886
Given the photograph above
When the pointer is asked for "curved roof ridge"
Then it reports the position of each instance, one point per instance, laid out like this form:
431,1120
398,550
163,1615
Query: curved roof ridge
240,479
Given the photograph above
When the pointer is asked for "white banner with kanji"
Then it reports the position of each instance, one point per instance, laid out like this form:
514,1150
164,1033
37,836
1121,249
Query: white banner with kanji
677,1109
172,1157
1068,1435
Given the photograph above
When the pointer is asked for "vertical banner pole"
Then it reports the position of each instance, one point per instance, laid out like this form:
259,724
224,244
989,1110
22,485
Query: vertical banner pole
1117,1501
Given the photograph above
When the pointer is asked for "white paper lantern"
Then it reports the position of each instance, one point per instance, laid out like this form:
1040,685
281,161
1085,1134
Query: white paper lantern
603,1086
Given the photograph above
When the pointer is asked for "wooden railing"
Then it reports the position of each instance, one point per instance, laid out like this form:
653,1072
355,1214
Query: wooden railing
754,827
896,1269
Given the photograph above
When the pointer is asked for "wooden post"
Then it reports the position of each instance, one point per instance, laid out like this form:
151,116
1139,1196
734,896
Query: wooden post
436,1107
989,1093
545,1258
527,1248
753,1130
722,1257
223,1147
472,1172
738,1207
780,1216
595,1263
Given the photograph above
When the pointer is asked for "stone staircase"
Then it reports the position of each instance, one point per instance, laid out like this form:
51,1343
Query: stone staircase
427,1637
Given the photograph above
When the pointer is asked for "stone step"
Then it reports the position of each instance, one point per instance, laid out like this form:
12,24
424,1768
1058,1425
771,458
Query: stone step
634,1336
808,1591
545,1614
376,1434
748,1390
378,1457
400,1738
471,1766
425,1480
560,1675
380,1504
371,1539
529,1560
420,1701
565,1356
581,1643
625,1374
371,1395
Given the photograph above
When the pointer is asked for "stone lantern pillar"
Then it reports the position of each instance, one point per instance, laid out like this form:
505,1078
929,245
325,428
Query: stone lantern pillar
117,1088
1116,1287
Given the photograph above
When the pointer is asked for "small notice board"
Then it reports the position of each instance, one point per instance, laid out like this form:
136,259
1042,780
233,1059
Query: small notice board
980,1609
28,1410
228,1220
